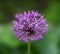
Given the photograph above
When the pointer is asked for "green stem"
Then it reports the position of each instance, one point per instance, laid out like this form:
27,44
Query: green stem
29,47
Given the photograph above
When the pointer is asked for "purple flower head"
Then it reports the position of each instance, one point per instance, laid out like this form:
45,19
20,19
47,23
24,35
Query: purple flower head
30,26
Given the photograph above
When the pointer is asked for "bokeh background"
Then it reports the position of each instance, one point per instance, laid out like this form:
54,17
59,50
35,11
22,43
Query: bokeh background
10,44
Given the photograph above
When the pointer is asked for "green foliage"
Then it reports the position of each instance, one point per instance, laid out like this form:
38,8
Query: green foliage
52,13
7,36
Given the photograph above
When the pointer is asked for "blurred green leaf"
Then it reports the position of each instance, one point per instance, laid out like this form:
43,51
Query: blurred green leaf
52,13
7,37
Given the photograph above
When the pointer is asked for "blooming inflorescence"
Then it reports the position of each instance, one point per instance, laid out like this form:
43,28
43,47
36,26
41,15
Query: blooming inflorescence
30,26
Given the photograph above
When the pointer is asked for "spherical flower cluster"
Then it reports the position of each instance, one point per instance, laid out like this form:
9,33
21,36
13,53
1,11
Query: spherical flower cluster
30,26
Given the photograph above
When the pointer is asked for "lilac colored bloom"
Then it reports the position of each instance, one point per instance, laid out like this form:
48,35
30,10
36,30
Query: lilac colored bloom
30,26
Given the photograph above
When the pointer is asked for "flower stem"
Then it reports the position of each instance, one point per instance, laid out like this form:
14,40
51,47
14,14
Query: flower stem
29,47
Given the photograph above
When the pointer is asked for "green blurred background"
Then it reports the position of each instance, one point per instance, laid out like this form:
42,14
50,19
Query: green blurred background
10,44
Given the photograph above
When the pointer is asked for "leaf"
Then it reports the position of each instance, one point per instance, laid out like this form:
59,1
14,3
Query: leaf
7,36
52,13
